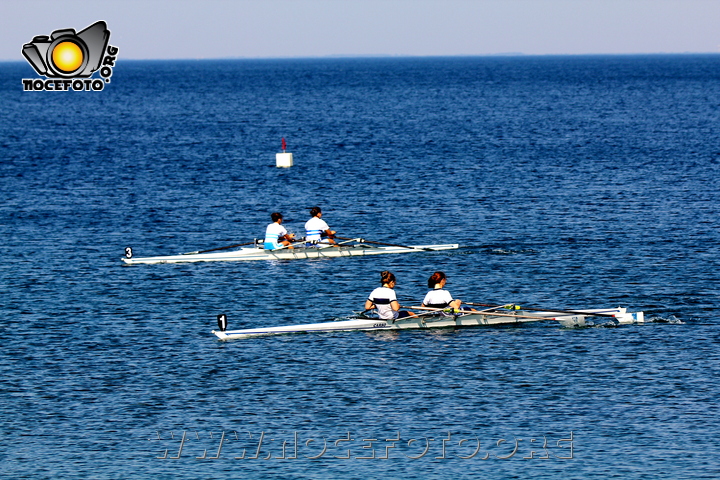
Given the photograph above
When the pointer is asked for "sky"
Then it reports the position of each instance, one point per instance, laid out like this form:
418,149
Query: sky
206,29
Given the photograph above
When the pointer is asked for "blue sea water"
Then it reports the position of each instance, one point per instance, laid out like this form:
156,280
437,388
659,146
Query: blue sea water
569,182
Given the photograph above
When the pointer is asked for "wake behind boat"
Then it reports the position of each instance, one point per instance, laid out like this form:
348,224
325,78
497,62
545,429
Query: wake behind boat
348,248
438,319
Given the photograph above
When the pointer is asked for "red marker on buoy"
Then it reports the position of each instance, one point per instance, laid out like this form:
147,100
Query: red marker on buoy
283,160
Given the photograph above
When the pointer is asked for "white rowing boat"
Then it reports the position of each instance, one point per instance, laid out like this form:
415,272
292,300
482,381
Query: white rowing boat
437,319
351,248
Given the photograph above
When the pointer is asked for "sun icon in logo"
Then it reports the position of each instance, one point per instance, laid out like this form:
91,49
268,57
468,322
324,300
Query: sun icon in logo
67,56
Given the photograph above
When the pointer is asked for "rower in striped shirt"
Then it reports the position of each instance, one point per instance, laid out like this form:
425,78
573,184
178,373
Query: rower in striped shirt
438,297
316,230
275,235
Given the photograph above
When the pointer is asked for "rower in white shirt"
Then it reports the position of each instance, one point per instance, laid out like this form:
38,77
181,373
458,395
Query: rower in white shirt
384,300
316,230
275,234
438,297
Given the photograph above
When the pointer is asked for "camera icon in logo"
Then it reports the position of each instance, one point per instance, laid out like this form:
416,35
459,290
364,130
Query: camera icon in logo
67,54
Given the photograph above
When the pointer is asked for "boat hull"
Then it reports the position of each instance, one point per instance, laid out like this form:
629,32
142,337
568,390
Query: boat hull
249,254
436,321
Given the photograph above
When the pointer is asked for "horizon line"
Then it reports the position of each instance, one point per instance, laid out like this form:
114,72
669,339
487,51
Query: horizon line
399,56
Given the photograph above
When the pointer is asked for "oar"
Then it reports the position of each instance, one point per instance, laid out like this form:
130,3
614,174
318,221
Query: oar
365,311
496,314
551,310
386,244
510,306
571,312
492,307
219,248
301,245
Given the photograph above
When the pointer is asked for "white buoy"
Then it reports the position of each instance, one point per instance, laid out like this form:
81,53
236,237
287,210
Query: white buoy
284,159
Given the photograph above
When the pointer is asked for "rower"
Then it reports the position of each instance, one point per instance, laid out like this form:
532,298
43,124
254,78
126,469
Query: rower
438,297
316,229
275,234
384,300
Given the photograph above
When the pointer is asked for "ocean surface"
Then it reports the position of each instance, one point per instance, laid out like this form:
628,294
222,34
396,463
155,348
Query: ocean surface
569,182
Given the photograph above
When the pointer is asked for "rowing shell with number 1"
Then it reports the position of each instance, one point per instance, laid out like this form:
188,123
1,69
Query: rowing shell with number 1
434,320
258,253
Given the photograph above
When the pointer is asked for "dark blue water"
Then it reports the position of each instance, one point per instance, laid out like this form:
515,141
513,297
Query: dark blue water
569,182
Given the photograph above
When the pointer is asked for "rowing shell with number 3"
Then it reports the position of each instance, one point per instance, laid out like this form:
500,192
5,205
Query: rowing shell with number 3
298,253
